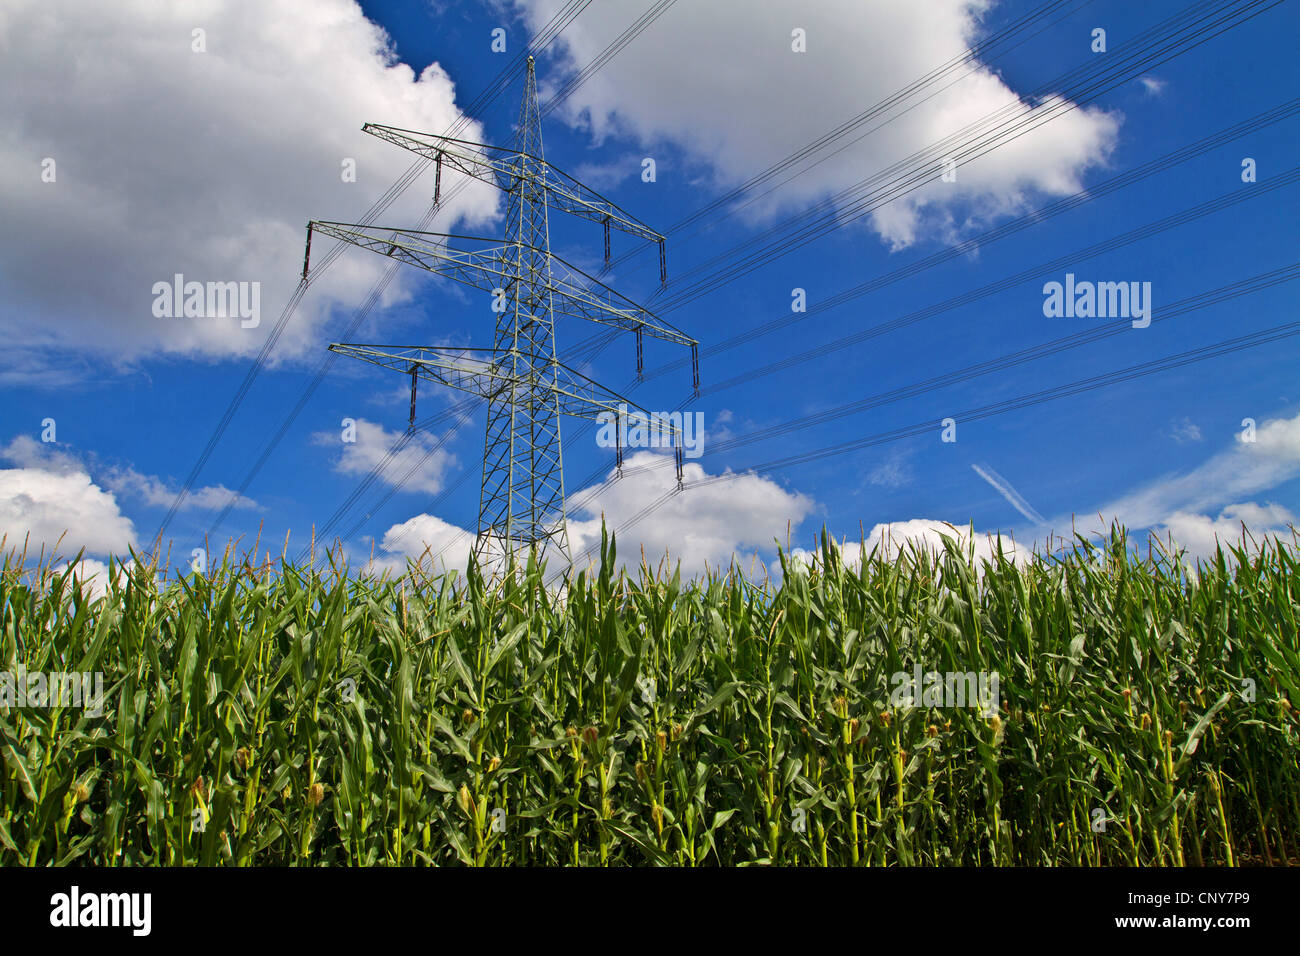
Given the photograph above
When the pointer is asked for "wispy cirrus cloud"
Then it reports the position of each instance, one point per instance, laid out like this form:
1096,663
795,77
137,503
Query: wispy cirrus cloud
1185,431
1152,86
1243,469
1213,501
894,472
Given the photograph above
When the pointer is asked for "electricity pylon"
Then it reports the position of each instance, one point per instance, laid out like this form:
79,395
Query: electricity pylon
521,504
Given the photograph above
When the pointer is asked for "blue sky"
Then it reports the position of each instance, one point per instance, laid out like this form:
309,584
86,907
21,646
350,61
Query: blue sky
236,149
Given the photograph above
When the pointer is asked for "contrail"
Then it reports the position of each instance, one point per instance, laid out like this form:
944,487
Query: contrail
1003,487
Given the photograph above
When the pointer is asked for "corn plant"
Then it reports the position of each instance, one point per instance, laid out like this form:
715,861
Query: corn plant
281,715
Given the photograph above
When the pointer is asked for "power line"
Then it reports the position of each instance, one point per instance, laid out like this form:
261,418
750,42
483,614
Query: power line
1081,386
1148,230
598,62
982,241
1217,296
899,186
1181,218
460,410
428,454
1143,232
1020,223
982,53
322,369
1186,42
1113,70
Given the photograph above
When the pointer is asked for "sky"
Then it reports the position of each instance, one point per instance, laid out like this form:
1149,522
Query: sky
871,316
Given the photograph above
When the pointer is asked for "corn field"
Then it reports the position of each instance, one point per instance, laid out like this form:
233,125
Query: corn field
274,715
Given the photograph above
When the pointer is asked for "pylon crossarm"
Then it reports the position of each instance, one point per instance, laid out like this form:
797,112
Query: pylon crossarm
465,373
566,194
491,266
488,164
603,305
485,268
492,373
502,168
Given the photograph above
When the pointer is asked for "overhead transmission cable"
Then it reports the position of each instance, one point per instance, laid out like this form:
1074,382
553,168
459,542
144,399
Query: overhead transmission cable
1185,40
1189,357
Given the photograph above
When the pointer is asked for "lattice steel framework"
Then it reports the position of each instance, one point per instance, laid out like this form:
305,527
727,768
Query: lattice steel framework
521,504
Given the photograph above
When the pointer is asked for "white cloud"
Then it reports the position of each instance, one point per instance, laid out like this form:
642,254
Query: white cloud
427,469
428,541
890,539
93,576
1234,474
156,493
45,506
733,59
1152,86
703,526
26,452
205,164
1186,431
706,525
894,472
1239,524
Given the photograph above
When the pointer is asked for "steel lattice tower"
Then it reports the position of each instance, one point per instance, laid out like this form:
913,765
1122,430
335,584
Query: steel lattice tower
521,503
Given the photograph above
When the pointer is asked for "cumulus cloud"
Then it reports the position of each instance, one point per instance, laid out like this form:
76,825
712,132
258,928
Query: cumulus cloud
56,495
207,164
26,452
705,526
891,539
418,466
45,508
155,492
93,577
733,59
427,541
1239,524
702,526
